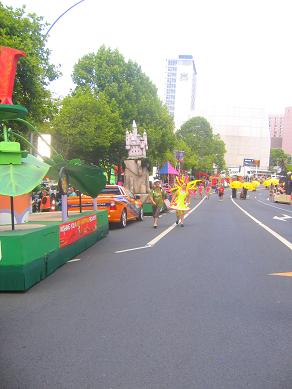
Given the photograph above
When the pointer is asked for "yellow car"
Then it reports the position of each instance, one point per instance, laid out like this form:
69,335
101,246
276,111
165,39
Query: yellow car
121,204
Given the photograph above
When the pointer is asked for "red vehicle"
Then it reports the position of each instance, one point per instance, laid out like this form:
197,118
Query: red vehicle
120,203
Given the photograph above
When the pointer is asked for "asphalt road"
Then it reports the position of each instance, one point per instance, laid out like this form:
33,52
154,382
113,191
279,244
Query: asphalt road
197,309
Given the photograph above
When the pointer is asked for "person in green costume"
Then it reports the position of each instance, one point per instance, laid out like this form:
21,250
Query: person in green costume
157,195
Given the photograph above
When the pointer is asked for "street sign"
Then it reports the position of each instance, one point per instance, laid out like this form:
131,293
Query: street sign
179,155
251,162
248,162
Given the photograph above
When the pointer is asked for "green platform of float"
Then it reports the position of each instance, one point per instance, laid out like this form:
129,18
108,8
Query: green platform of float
32,252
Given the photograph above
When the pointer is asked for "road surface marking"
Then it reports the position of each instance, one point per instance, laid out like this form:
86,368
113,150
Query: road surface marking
275,234
160,236
269,205
74,260
286,274
283,218
165,232
135,248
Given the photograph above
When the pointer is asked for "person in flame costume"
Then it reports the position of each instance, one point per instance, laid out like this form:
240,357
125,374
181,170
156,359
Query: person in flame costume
181,197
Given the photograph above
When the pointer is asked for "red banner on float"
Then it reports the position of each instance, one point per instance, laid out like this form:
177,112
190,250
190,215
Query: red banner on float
74,230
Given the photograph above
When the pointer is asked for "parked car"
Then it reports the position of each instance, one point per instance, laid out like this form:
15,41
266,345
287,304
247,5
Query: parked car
121,204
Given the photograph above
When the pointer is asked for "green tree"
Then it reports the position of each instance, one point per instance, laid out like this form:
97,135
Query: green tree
198,132
218,152
134,96
279,158
205,147
190,159
87,127
26,32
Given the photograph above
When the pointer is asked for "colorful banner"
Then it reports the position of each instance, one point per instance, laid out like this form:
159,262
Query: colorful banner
74,230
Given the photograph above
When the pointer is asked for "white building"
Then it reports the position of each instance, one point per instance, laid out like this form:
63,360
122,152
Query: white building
180,88
245,132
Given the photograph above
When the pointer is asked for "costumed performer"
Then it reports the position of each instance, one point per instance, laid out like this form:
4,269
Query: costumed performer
208,190
221,192
193,192
181,198
201,187
157,195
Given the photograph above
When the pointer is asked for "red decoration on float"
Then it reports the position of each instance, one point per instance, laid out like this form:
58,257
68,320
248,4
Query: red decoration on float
8,61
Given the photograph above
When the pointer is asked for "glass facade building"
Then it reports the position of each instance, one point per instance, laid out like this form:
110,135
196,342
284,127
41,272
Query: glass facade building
180,88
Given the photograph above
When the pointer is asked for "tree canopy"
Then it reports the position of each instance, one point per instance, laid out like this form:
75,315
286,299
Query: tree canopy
278,158
112,93
204,148
85,125
34,72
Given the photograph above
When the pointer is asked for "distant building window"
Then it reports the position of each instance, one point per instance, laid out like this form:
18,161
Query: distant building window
184,77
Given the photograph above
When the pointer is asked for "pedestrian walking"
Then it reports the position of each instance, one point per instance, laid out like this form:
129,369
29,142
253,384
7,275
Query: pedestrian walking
208,190
221,192
194,192
271,193
200,189
157,195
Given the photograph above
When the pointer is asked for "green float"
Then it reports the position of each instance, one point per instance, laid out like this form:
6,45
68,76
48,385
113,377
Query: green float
31,251
23,263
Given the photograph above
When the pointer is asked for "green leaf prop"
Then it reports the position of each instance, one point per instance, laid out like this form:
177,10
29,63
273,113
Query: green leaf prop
89,179
19,179
11,111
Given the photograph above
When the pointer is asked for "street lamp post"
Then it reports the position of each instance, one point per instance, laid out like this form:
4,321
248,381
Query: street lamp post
59,17
179,155
46,34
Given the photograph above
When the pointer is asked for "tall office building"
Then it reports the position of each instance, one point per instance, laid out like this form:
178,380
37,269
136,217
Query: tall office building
276,125
287,131
180,88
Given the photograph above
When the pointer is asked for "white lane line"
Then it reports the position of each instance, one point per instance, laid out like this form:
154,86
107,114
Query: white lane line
74,260
160,236
165,232
133,249
274,206
268,229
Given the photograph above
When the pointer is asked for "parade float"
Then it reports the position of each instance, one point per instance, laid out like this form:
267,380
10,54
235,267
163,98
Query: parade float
280,194
136,174
33,246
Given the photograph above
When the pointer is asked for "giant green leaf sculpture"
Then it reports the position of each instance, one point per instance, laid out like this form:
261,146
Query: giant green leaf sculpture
19,179
89,179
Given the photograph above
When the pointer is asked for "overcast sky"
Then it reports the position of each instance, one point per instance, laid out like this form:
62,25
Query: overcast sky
242,48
